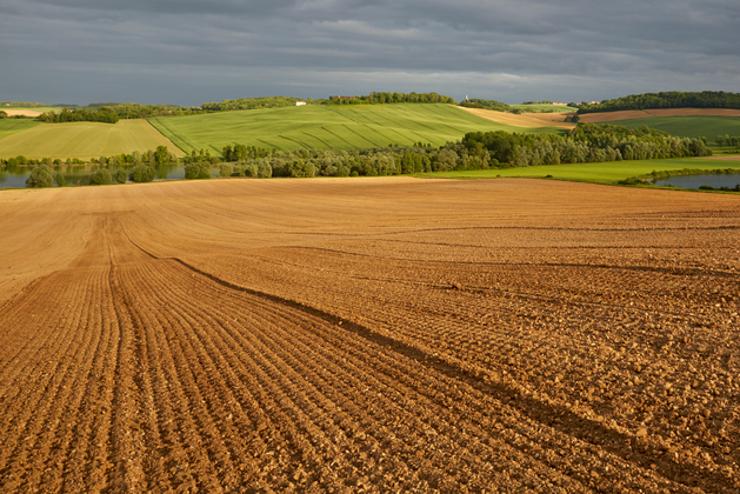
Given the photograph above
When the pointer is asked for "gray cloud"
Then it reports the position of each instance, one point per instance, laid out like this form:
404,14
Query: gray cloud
190,51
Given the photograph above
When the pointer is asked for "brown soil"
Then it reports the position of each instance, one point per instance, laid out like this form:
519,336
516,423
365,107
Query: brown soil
21,113
528,120
724,157
375,335
667,112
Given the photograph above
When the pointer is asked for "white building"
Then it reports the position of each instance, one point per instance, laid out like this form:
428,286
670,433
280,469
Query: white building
300,103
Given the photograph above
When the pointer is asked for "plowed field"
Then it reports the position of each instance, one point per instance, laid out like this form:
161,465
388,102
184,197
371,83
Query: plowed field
378,335
614,116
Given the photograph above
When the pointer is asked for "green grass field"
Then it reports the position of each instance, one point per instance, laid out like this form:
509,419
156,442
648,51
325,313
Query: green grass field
709,127
605,173
544,108
81,140
12,125
324,126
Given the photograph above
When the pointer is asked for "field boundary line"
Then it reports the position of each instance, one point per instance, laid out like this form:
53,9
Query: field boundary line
626,446
170,137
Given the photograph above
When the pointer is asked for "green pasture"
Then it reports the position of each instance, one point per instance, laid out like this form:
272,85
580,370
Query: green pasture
709,127
326,127
12,125
605,173
83,140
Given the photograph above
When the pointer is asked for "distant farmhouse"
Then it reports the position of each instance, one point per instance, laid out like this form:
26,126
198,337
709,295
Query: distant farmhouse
300,103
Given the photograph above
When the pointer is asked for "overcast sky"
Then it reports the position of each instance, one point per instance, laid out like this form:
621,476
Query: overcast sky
191,51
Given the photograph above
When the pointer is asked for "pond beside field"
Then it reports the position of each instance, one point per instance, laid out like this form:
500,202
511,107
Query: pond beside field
721,181
15,178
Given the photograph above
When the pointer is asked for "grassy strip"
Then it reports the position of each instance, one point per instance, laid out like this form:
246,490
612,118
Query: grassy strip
176,139
604,173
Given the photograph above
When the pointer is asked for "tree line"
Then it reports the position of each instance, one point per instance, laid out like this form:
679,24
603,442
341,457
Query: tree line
102,114
135,167
249,103
477,150
587,143
488,104
669,99
728,140
113,112
379,98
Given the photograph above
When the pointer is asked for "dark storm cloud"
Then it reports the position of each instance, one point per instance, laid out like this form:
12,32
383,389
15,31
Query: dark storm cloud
188,51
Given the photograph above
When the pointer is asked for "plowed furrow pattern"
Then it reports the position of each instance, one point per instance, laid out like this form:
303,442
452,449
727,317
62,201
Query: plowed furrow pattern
312,336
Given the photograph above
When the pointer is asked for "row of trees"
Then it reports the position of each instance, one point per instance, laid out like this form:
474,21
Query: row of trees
249,103
477,150
45,176
728,140
113,112
240,152
157,158
586,143
102,114
670,99
375,98
488,104
135,167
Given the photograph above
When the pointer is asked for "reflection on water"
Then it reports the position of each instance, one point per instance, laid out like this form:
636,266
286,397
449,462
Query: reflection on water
15,176
722,181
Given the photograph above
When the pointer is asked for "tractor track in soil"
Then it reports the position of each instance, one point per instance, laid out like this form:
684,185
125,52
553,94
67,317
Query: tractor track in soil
135,370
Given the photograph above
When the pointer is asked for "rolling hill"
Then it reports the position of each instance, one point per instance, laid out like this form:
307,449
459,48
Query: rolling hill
81,140
327,126
688,126
10,126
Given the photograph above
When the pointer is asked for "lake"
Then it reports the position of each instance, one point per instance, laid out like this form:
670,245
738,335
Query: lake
728,180
15,178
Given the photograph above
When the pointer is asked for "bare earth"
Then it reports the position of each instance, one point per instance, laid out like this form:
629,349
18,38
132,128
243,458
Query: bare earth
665,112
21,113
528,120
383,335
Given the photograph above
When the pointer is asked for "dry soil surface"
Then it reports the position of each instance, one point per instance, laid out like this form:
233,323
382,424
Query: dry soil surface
21,112
661,112
378,335
528,120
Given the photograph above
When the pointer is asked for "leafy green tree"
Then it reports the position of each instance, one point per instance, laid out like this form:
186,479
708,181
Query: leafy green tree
143,174
41,176
225,170
194,171
101,176
668,99
59,179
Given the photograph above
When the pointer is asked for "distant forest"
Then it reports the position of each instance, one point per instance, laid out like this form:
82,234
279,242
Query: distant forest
249,103
671,99
376,98
488,104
